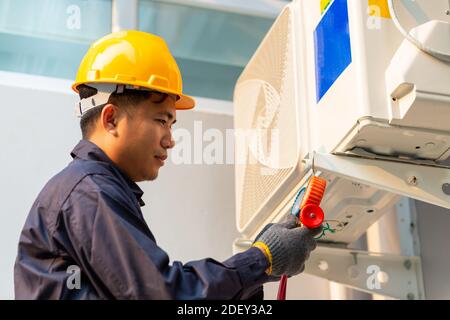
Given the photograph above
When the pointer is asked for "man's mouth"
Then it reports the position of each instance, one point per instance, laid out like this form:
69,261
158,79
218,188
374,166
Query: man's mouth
161,159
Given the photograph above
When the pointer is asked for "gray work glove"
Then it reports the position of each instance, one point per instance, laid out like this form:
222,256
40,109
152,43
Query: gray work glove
289,246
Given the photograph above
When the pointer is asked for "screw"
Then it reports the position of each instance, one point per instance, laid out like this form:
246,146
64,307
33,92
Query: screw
323,265
382,277
407,264
353,272
412,180
446,188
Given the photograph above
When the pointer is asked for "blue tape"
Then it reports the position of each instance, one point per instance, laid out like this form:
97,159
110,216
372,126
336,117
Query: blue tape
332,46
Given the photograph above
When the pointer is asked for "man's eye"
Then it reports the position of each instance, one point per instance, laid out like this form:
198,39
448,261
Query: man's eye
162,121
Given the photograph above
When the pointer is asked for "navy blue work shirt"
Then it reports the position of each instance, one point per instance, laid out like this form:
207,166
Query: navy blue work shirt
88,218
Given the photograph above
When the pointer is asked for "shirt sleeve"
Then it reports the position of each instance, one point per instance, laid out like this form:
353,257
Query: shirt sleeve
117,251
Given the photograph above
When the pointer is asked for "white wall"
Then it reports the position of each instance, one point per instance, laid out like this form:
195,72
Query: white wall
37,132
190,208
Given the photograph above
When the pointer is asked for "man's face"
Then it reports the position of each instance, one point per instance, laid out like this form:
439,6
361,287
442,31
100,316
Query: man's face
145,137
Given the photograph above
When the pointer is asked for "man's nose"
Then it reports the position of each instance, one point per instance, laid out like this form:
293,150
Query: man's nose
167,142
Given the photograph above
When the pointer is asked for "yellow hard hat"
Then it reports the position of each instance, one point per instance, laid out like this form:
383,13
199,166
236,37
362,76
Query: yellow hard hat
134,58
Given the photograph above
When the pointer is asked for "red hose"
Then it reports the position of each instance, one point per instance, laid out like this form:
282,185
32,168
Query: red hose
282,288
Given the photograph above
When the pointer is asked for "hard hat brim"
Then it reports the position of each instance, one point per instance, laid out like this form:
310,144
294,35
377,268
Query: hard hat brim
185,102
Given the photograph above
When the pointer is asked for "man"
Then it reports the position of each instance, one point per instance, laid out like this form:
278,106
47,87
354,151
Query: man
87,220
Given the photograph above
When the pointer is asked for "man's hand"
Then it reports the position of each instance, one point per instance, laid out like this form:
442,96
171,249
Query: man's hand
286,246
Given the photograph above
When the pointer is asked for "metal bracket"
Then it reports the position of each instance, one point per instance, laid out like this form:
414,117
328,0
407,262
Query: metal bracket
420,182
385,274
395,276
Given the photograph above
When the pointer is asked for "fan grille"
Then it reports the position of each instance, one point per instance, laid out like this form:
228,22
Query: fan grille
265,100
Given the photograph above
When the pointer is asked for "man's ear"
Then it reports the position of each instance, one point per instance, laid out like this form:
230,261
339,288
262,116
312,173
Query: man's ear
109,118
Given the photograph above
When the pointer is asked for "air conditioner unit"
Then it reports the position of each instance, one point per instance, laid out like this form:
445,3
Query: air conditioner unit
338,85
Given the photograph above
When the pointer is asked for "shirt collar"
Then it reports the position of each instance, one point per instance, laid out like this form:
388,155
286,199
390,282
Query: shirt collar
87,150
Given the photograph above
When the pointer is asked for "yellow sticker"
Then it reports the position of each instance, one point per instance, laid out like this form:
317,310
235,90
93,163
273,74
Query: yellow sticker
324,5
379,8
